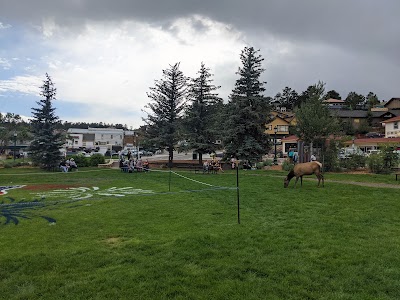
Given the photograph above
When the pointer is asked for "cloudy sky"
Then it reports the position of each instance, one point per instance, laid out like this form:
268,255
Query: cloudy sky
103,56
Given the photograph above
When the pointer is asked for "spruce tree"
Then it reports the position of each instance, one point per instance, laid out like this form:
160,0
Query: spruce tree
248,110
46,143
200,114
169,99
314,121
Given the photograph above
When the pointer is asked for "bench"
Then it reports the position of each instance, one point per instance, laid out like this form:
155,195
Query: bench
195,168
397,172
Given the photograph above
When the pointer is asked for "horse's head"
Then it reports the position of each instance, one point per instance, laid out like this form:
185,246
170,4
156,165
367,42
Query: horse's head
286,182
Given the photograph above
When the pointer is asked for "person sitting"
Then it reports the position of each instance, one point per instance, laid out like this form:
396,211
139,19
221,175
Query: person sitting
217,166
246,165
64,166
139,165
123,164
206,166
146,165
131,165
233,162
72,164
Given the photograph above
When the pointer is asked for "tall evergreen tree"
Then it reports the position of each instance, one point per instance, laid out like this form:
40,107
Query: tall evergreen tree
354,100
332,94
314,122
46,144
288,98
371,100
248,110
200,121
169,96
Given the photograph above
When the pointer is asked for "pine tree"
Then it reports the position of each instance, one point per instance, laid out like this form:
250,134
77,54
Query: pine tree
46,144
200,114
248,110
314,121
169,100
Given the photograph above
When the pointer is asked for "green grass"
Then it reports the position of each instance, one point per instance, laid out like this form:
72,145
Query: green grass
337,242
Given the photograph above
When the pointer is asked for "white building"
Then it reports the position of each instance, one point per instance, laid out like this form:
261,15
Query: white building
392,127
94,138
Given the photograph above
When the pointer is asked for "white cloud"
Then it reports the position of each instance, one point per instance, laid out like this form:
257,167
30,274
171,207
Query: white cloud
22,84
5,64
4,26
110,66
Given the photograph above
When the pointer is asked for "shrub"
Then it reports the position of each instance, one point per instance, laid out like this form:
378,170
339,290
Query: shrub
376,164
81,161
354,162
287,165
96,159
384,161
268,162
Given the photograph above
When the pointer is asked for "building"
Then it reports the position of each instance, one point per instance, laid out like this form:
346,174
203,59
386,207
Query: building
334,103
393,104
392,127
94,138
357,117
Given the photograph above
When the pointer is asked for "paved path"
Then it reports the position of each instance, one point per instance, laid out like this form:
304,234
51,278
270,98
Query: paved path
369,184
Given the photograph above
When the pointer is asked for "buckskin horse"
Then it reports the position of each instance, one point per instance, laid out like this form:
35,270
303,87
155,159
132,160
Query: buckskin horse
308,168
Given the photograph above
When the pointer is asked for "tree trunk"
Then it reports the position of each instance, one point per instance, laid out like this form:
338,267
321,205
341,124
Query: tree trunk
170,156
200,158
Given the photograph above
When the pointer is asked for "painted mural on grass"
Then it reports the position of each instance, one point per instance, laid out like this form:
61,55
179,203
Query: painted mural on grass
6,188
13,211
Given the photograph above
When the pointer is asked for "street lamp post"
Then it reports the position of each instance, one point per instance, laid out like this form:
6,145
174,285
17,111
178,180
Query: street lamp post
15,143
275,159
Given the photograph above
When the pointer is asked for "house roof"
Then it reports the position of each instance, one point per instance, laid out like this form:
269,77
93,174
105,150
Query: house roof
357,113
374,141
392,99
331,100
291,138
279,117
394,119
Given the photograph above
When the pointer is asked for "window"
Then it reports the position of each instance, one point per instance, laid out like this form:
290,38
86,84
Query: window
283,128
396,125
111,136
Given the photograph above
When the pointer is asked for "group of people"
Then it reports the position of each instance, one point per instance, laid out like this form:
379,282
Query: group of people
212,166
68,165
133,164
294,156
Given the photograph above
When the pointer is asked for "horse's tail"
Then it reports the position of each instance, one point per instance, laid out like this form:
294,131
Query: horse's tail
320,165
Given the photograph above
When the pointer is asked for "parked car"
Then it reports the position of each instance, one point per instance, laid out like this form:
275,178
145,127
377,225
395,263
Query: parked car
146,153
374,135
372,151
110,153
83,153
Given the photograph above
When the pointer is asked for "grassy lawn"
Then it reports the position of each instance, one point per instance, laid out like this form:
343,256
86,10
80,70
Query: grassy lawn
103,234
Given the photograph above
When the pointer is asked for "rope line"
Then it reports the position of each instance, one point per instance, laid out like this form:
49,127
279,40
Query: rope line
43,203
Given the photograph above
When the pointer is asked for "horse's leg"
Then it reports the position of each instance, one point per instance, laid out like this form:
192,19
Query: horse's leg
301,180
295,183
323,181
